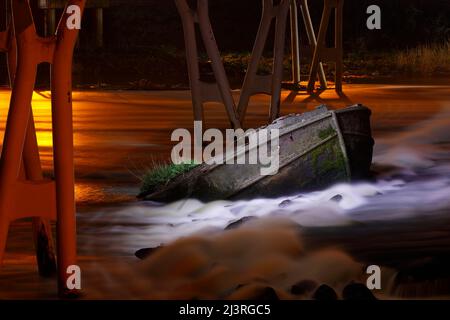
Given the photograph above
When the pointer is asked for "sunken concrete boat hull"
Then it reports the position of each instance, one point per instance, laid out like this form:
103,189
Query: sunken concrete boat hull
317,149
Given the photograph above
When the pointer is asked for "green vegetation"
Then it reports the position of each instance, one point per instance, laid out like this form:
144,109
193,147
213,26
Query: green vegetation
328,158
164,67
359,66
163,174
325,133
426,59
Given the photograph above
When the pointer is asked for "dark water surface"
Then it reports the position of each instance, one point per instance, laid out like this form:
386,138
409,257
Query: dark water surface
119,135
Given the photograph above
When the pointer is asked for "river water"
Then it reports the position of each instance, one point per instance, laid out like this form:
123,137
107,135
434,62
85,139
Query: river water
120,134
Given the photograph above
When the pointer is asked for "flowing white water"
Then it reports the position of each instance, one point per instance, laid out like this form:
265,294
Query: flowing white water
414,179
199,260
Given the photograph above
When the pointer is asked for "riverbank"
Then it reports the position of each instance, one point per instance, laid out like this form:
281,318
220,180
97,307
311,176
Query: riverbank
164,68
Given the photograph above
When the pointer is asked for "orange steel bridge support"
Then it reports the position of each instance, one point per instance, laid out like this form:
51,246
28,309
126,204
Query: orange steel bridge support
31,166
24,193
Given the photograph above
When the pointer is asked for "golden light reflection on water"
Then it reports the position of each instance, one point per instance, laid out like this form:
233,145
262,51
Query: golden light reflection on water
45,139
41,105
116,132
99,193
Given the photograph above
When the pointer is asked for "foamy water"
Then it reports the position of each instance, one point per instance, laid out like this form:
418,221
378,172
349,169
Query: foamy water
414,179
200,260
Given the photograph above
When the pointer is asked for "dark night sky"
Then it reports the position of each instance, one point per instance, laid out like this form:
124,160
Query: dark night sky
142,32
406,23
136,24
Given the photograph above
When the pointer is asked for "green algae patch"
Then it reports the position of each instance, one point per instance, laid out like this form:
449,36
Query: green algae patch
328,158
326,133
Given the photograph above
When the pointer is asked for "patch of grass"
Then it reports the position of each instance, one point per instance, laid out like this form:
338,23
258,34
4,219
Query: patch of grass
163,174
426,59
